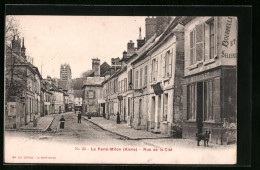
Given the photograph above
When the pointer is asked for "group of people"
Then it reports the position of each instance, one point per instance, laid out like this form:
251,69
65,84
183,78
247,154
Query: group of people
62,120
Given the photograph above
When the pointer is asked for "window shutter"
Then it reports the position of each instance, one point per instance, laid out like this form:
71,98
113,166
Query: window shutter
164,64
151,70
170,63
87,95
215,35
156,68
94,94
199,42
191,47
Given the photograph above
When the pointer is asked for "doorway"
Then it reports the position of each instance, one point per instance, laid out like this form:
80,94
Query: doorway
140,112
199,106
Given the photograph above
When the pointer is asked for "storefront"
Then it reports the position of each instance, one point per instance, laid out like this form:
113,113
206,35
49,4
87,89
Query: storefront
210,104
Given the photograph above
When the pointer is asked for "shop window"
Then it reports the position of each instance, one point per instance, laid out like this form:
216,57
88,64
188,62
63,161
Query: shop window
208,101
191,102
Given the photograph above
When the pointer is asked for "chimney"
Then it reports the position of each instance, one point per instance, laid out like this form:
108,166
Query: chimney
150,27
124,54
96,67
130,48
23,50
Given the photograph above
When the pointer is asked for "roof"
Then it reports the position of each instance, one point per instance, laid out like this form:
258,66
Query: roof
78,93
55,88
78,83
118,72
63,84
104,67
93,81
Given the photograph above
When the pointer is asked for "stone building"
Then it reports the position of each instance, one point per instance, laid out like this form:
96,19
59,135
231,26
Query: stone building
92,90
210,76
22,84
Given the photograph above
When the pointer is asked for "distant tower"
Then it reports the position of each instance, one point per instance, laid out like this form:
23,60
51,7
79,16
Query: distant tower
96,67
65,72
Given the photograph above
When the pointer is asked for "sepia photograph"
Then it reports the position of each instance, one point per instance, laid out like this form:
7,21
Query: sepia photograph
120,89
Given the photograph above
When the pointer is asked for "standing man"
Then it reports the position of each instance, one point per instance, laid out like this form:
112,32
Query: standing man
79,117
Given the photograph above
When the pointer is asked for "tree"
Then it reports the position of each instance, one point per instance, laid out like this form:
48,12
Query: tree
11,29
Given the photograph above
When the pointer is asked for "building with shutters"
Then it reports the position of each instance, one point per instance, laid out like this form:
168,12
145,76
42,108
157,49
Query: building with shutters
210,76
157,76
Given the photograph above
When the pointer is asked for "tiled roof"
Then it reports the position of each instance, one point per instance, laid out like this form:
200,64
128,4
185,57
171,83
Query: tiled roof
78,93
63,84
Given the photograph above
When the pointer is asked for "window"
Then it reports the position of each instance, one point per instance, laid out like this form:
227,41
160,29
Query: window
130,79
119,87
197,44
208,102
167,65
154,69
192,47
122,86
91,94
194,100
145,75
165,107
141,77
136,79
125,84
211,39
191,110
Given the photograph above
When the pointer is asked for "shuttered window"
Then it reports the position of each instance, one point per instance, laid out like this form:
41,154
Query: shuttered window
130,83
192,47
141,78
170,63
145,75
199,42
211,41
136,79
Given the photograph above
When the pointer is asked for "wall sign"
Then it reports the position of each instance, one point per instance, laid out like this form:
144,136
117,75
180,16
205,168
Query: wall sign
229,41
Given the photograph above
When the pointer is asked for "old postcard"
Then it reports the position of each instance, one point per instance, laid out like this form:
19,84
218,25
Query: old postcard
121,89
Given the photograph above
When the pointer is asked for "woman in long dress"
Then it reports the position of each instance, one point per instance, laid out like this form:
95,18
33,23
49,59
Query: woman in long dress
62,122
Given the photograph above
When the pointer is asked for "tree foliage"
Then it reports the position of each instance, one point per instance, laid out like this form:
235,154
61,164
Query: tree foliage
11,29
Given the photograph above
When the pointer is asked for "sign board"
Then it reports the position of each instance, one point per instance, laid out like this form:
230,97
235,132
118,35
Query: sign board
229,42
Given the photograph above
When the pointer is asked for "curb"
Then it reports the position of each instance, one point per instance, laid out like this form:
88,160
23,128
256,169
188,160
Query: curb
32,130
119,134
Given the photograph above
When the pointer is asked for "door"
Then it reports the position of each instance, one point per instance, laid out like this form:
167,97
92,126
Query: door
199,118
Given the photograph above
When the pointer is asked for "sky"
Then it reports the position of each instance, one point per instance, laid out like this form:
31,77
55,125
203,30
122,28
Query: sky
75,40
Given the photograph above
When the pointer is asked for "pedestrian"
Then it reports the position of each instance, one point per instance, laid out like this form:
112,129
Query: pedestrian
34,122
79,117
62,122
118,118
75,111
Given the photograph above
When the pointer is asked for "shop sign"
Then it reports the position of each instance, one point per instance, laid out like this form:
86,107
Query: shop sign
229,41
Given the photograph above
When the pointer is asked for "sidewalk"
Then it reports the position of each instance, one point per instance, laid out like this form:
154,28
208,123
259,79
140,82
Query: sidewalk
123,129
43,124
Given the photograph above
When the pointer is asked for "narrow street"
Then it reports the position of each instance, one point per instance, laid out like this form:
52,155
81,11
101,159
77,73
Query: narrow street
87,140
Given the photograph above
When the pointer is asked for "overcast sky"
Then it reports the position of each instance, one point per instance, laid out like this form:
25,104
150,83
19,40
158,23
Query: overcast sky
55,40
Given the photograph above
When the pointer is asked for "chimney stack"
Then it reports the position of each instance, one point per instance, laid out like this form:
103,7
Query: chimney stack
150,27
96,67
130,48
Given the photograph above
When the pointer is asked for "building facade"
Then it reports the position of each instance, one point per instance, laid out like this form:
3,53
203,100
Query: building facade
92,91
210,76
